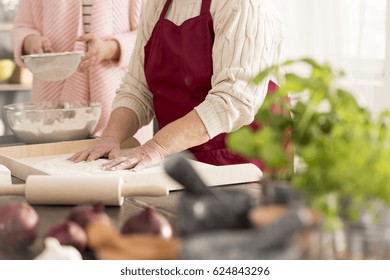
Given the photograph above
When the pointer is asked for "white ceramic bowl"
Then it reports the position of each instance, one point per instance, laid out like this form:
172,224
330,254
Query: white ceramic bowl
43,122
53,66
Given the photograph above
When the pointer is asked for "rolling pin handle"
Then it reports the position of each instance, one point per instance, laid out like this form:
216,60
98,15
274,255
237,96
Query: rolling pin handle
17,189
155,190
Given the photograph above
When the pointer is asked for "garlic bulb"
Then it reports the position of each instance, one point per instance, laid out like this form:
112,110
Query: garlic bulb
55,251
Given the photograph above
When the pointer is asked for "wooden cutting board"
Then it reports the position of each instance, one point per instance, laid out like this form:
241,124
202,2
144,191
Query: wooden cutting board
49,159
13,156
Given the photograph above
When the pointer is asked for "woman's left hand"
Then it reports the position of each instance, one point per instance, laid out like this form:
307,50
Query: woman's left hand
97,51
139,158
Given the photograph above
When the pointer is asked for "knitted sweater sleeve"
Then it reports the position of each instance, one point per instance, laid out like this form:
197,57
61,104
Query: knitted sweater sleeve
133,92
248,37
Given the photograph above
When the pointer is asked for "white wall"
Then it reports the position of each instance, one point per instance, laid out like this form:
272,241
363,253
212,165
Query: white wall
384,97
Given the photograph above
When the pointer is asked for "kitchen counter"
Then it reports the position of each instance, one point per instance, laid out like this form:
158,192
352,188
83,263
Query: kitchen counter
268,244
10,140
50,215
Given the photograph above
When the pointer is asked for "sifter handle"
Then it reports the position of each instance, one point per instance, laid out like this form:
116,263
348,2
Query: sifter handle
18,189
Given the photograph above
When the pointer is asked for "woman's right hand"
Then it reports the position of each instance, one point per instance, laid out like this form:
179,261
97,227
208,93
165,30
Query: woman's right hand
36,44
106,146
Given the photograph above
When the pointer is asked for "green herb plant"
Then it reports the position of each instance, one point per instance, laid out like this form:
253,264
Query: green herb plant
343,151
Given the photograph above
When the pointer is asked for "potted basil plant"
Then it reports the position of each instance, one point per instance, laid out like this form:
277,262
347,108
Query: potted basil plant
342,151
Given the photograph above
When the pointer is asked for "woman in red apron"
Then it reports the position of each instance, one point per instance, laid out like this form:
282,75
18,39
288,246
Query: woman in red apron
178,68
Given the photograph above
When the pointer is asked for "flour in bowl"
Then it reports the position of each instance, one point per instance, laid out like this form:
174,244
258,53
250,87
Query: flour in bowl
52,126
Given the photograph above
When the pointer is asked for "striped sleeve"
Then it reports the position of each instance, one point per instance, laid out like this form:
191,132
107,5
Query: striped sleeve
134,92
24,25
126,40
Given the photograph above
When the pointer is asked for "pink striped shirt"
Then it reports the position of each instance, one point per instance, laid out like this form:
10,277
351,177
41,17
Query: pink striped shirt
61,22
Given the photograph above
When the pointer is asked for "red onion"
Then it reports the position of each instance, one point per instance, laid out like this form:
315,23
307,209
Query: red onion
18,225
148,221
84,214
69,233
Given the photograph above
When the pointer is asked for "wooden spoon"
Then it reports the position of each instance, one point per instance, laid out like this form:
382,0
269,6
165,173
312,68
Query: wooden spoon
108,244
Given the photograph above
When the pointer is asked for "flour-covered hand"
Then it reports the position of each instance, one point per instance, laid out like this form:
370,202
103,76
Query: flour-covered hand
106,146
140,157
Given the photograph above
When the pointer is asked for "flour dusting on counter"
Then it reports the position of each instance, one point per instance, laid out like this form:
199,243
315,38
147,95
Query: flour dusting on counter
61,166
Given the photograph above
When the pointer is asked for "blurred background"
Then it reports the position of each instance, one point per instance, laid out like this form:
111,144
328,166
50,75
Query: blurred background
15,83
351,35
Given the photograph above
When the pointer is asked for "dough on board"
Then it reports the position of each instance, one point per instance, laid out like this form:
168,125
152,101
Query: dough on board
61,166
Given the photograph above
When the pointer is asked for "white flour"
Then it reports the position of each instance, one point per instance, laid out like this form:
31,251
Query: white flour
61,166
73,125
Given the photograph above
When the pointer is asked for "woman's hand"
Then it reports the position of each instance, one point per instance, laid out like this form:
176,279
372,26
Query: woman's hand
98,51
36,44
175,137
106,146
140,157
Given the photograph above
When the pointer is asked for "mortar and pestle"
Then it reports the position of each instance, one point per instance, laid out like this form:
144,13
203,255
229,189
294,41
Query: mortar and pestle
279,192
202,208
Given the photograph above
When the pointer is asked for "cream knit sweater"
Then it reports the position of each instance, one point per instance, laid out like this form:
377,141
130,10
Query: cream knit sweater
248,38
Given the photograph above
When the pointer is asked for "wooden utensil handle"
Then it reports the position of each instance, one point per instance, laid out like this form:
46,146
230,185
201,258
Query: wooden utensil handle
18,189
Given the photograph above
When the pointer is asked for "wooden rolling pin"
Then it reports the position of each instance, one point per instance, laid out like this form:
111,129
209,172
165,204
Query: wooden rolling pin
73,190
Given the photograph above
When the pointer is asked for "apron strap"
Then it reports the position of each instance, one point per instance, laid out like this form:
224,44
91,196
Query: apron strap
165,10
205,6
204,9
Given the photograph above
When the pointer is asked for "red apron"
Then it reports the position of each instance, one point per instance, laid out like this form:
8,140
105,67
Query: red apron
178,69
